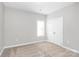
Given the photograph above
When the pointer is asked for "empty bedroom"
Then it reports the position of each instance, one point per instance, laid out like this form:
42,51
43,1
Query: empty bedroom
39,29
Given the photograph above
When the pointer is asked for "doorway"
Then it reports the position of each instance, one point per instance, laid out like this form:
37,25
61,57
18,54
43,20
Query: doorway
54,30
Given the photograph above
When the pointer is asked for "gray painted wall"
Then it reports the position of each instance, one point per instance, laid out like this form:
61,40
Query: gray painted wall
1,26
71,24
21,27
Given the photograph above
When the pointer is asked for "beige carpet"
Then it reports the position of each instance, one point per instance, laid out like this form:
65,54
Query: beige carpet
41,49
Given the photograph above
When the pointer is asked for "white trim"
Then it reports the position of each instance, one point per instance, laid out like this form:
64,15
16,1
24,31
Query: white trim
73,50
2,51
23,44
37,42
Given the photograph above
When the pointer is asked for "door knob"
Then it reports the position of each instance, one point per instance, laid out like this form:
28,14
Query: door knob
54,32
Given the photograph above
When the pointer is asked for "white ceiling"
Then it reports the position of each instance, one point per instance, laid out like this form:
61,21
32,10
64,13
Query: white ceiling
38,7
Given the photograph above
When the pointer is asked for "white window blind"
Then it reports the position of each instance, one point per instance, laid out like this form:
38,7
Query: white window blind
40,28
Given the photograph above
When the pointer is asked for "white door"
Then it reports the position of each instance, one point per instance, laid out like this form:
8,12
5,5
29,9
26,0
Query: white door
55,30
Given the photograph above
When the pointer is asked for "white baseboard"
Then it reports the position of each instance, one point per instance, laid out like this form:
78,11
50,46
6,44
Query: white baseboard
73,50
2,51
20,45
37,42
23,44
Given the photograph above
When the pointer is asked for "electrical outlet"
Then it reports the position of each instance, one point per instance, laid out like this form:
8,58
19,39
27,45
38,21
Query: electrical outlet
16,39
54,32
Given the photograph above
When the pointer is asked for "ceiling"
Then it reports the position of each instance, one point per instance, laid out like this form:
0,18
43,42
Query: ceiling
44,8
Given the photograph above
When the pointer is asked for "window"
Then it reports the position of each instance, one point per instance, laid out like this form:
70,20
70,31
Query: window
40,28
